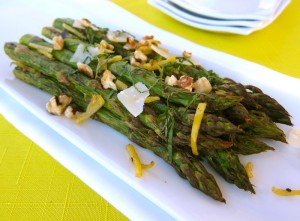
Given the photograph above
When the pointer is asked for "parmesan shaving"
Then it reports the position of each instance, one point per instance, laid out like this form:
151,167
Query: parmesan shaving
133,98
84,54
161,51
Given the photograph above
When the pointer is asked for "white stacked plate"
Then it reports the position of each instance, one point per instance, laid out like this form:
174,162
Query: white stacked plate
232,16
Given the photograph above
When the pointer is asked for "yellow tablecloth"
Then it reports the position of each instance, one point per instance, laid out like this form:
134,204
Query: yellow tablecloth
35,187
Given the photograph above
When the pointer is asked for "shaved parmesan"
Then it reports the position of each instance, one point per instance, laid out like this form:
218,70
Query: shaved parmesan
133,98
161,51
94,51
80,54
84,54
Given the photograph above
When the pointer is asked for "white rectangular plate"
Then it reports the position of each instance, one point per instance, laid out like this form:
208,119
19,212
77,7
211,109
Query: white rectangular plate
161,185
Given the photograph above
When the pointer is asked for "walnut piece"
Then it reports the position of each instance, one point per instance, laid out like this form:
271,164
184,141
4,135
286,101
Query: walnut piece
105,47
85,69
107,80
58,42
202,85
58,104
172,81
70,112
186,82
140,56
86,23
187,54
130,44
134,62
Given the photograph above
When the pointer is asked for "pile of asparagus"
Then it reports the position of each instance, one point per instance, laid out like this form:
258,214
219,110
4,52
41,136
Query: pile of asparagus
236,118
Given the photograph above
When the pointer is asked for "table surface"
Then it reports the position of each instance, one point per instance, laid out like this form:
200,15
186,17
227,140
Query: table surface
28,195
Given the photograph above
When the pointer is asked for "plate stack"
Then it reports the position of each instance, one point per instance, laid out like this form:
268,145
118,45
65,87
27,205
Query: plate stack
231,16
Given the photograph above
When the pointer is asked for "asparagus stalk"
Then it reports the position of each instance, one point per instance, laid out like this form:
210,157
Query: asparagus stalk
263,127
238,114
212,124
272,108
239,89
183,140
246,145
235,173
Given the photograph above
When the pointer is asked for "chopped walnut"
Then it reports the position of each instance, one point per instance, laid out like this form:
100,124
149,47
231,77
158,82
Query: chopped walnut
58,42
85,69
134,62
140,56
130,43
187,54
107,80
202,85
186,82
154,42
86,23
58,104
150,40
105,47
144,42
148,37
172,81
70,112
147,40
